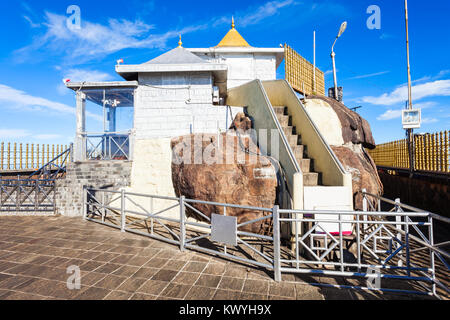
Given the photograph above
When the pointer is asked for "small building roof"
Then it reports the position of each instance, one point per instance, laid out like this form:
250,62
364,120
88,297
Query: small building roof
233,38
177,56
176,60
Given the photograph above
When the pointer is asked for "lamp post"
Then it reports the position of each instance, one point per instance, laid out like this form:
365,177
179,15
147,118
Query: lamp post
333,55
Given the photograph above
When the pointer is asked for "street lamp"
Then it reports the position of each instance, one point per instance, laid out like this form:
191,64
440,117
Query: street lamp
341,31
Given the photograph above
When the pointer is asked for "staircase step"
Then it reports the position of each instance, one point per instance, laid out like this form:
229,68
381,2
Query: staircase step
305,165
310,179
284,120
299,151
280,110
288,130
293,140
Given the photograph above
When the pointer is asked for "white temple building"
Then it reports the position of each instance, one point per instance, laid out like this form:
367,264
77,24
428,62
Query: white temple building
197,90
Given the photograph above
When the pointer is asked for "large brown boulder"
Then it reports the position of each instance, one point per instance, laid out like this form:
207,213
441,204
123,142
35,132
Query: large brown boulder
354,128
348,135
224,172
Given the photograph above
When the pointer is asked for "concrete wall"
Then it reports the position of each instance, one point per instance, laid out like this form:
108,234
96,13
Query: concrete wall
245,67
111,175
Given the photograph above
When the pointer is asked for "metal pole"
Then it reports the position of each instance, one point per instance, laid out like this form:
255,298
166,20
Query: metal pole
334,75
182,224
410,131
365,225
431,238
341,244
276,244
399,227
314,59
122,211
85,203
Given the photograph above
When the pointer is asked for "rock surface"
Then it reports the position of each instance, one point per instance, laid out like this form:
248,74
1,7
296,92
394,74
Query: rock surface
355,129
350,148
234,176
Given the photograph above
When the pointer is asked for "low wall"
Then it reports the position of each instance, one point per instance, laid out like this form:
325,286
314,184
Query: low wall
431,195
95,174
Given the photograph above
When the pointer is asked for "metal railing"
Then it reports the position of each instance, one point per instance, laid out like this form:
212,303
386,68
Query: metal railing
108,146
34,193
30,196
384,247
25,156
431,153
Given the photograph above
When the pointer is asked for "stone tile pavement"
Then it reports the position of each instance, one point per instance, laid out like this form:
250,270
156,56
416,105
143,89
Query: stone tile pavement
35,253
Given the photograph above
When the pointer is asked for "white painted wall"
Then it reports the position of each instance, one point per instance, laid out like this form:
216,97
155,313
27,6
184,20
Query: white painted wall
245,67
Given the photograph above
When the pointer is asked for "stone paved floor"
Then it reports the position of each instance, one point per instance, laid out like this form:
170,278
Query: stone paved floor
35,253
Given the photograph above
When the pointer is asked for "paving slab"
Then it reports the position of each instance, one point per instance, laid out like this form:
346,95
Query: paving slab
35,253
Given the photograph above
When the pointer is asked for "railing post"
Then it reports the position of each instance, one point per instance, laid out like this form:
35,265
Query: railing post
182,223
103,206
18,195
85,204
341,243
431,238
122,212
36,195
276,244
399,227
365,208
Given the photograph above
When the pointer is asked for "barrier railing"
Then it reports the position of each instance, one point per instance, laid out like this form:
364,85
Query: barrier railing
108,146
30,196
431,153
382,249
26,156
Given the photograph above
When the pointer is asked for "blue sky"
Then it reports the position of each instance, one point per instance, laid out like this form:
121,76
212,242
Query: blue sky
38,51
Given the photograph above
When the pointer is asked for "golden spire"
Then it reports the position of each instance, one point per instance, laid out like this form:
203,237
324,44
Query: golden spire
180,43
233,38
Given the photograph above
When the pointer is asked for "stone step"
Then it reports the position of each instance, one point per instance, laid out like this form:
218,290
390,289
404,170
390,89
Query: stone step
293,140
305,165
288,130
284,120
280,110
310,179
299,151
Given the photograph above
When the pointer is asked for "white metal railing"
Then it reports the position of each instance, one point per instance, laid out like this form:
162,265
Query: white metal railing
108,146
384,246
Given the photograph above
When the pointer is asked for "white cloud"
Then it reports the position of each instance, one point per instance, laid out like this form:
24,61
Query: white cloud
429,120
32,24
400,95
96,40
23,133
269,9
397,113
47,136
390,115
369,75
20,99
425,105
78,75
13,133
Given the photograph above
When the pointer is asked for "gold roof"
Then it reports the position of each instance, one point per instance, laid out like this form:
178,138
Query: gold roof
233,39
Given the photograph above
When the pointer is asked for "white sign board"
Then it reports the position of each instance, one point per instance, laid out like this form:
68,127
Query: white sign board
412,119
